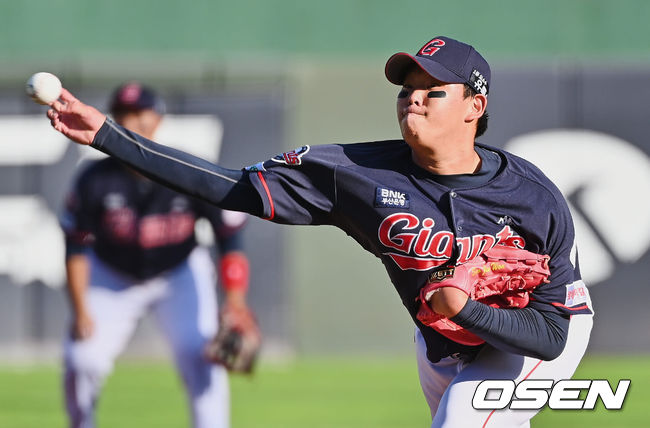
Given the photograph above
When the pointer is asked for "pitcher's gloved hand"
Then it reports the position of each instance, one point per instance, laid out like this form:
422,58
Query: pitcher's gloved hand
502,277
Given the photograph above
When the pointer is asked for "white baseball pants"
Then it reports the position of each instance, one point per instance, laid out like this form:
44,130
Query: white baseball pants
449,384
184,304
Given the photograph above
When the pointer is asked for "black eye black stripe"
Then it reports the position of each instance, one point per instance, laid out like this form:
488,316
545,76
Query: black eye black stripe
437,94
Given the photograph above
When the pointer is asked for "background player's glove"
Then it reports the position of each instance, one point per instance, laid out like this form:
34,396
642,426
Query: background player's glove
502,277
238,340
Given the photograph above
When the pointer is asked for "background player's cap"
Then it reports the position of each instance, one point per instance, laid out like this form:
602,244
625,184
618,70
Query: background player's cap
447,60
133,96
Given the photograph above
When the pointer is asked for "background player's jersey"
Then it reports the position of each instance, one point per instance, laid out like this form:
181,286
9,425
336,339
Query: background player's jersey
135,225
395,210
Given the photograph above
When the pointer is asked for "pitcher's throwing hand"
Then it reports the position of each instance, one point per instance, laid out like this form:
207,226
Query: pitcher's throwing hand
74,119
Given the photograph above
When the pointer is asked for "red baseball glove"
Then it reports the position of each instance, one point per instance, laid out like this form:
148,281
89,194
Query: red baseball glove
238,340
502,277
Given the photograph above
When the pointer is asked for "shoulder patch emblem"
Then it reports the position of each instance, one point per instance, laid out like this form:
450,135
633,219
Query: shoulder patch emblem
294,157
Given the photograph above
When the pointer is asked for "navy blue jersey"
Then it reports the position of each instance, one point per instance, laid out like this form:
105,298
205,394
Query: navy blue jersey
414,224
135,225
414,221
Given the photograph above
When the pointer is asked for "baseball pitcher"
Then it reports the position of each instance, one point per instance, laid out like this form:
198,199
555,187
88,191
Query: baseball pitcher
478,243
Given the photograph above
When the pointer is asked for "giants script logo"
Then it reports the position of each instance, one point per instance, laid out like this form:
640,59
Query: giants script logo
423,249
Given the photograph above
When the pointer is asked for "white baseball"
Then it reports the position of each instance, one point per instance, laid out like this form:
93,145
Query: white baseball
43,87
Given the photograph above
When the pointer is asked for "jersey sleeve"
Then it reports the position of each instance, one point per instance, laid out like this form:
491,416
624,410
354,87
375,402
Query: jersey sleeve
226,188
566,292
224,222
298,187
228,226
76,221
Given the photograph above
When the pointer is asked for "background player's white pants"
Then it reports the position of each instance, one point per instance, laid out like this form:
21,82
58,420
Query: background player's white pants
183,301
449,384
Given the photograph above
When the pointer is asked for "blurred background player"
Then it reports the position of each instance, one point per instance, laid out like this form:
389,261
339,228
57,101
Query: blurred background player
131,248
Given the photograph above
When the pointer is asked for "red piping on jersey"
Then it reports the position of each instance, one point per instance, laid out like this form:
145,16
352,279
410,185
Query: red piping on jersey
525,377
268,195
570,308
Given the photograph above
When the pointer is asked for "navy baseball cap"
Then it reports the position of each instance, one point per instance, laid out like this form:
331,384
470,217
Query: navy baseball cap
133,96
447,60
